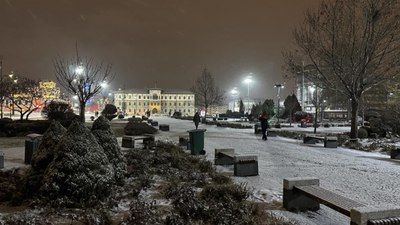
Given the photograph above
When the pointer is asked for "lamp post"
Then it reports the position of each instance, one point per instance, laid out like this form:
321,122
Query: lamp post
248,80
314,99
278,86
234,93
14,82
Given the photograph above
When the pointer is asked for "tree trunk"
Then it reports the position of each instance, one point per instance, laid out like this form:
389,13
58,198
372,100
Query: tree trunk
82,111
354,118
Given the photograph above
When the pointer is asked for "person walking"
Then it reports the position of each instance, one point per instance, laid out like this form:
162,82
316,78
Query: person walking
264,124
196,119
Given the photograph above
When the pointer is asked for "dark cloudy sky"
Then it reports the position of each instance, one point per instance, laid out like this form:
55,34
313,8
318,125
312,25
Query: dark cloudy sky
168,41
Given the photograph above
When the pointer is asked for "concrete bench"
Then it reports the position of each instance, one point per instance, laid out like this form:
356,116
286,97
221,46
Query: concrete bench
224,156
309,139
301,194
329,141
163,127
395,153
243,166
129,141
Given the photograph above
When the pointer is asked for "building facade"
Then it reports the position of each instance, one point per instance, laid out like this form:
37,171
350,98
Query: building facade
155,101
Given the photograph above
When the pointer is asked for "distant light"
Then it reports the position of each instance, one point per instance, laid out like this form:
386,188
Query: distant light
104,84
75,97
234,91
312,88
79,70
248,80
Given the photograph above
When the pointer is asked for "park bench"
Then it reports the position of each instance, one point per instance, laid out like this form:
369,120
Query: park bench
224,156
301,194
129,141
163,127
395,153
329,141
154,123
243,166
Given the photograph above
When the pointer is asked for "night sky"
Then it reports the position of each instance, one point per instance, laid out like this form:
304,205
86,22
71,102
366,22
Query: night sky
148,41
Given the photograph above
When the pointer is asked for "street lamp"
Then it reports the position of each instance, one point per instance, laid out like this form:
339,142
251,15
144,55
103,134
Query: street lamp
234,93
15,81
247,81
279,86
314,99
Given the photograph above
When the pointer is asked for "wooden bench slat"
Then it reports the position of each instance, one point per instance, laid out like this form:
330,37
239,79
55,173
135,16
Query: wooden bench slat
232,155
330,199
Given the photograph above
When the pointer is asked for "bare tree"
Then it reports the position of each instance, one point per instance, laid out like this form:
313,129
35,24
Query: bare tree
25,96
82,77
206,92
353,45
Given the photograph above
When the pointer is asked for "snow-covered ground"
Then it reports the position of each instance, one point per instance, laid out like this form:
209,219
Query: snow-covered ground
370,178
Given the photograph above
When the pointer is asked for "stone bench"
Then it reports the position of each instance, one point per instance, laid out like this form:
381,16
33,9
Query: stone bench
163,127
224,156
329,141
302,194
129,141
395,153
243,166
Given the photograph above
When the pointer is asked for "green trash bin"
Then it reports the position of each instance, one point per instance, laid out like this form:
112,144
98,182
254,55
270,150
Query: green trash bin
196,141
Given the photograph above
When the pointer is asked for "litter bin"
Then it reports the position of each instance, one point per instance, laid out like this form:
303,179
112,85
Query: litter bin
196,141
32,143
1,160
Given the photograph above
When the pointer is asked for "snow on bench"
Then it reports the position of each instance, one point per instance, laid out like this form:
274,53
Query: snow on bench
243,166
301,194
129,141
224,156
329,141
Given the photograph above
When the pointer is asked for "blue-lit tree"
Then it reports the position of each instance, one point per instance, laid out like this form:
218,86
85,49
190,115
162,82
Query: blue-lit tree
82,77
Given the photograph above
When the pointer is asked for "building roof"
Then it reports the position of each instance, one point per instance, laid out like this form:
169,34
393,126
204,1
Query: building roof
146,91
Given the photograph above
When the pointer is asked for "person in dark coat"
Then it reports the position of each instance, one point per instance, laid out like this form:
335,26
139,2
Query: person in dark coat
264,124
196,119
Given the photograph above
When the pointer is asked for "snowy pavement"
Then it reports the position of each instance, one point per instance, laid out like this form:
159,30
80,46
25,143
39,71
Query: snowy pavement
370,178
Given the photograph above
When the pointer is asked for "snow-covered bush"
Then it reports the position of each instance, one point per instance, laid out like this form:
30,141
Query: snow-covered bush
80,174
46,151
43,157
105,136
109,111
143,213
11,186
134,128
56,110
